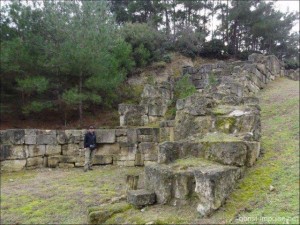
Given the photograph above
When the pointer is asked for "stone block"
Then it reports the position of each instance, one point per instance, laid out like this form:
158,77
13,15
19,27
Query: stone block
13,165
125,163
102,159
253,151
122,139
140,198
61,137
108,149
105,136
121,132
35,162
66,165
16,136
53,149
53,161
35,150
74,136
227,153
132,136
149,150
46,139
213,185
30,139
70,149
79,164
12,152
159,180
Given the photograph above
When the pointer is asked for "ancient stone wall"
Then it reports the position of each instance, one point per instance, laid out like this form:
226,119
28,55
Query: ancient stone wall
32,148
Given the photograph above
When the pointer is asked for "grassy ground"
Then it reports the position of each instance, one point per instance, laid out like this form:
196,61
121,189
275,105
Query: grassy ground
63,196
58,196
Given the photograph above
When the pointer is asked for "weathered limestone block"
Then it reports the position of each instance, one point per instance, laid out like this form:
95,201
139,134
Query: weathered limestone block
53,150
99,214
12,152
168,152
13,165
61,137
105,135
187,125
253,151
73,136
30,136
149,150
53,161
159,180
46,137
183,186
122,139
66,165
35,162
121,132
124,163
102,159
35,150
157,109
196,104
140,198
131,114
108,149
70,149
132,135
15,136
213,185
67,159
166,134
228,153
139,158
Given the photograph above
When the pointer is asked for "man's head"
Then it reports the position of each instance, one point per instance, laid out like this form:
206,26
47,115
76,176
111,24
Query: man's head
91,129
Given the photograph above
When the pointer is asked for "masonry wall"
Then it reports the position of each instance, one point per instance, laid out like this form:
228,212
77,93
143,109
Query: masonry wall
33,148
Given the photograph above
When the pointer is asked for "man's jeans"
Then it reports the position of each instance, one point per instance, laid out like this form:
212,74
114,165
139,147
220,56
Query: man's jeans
89,155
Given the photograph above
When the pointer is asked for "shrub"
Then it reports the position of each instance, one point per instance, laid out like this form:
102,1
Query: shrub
214,49
291,64
146,42
184,87
188,42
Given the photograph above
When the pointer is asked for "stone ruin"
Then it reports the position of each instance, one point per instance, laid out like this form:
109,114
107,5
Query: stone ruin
215,135
197,157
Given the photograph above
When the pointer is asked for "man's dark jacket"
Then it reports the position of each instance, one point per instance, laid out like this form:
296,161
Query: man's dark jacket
90,139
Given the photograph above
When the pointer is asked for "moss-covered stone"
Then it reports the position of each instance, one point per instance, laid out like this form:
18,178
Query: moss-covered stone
225,124
98,215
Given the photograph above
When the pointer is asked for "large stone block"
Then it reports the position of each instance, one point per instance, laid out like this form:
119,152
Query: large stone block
149,150
66,165
13,165
16,136
108,149
213,185
35,150
253,151
140,198
46,138
159,180
105,136
35,162
102,159
61,137
53,161
12,152
132,136
70,149
74,136
53,149
227,153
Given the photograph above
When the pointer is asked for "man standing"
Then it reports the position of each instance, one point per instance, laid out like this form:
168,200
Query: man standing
90,146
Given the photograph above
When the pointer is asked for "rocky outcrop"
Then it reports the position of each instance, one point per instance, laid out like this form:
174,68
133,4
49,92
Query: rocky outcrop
154,103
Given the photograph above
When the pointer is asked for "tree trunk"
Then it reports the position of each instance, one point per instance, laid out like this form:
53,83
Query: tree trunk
80,101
